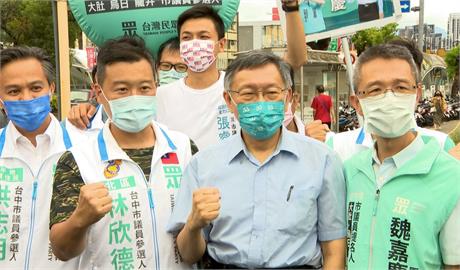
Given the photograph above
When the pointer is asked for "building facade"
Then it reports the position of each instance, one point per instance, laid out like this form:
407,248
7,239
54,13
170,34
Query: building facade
432,41
453,30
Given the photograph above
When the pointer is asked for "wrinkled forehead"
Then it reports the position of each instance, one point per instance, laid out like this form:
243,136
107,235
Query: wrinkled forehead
258,77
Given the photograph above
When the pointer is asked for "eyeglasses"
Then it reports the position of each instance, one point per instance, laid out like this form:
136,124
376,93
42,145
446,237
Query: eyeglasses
378,92
166,66
249,94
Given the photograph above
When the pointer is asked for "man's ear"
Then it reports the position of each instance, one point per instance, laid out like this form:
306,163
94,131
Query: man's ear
289,96
354,101
98,93
222,43
52,88
231,106
419,93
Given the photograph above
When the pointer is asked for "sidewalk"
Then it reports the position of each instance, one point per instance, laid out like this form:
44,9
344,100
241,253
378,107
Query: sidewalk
447,127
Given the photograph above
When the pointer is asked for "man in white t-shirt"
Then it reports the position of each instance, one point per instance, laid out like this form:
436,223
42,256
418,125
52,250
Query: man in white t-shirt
195,105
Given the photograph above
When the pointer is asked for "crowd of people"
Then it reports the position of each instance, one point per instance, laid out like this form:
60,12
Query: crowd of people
214,170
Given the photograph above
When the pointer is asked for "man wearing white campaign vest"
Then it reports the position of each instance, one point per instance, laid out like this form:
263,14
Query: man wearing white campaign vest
30,146
113,196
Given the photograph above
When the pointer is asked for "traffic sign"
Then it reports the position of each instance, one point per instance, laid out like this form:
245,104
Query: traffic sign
405,6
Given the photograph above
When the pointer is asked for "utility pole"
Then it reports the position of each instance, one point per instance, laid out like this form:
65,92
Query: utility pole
421,32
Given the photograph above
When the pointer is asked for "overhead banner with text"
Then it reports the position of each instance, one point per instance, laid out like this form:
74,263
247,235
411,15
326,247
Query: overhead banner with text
338,18
153,20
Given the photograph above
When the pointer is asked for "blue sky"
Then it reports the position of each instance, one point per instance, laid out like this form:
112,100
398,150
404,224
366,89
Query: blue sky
436,11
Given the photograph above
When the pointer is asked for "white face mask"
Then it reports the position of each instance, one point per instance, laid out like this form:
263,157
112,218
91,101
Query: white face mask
390,116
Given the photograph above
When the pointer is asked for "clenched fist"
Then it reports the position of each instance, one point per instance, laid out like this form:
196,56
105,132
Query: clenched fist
205,208
93,203
317,130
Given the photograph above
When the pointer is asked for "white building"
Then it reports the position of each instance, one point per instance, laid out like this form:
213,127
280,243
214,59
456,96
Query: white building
453,30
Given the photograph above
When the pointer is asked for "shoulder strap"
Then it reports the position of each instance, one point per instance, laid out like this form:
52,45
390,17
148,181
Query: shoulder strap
2,140
66,137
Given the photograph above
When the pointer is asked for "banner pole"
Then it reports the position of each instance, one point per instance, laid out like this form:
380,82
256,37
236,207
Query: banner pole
346,53
64,57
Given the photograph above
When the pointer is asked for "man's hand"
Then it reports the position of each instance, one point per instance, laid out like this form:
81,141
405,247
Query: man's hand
205,208
317,130
80,114
69,238
455,151
94,203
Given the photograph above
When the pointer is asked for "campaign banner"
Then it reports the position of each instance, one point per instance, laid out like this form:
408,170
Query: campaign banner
338,18
153,20
91,57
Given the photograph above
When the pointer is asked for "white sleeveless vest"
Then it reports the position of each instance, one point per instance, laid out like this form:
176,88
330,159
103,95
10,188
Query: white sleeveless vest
133,235
25,206
78,136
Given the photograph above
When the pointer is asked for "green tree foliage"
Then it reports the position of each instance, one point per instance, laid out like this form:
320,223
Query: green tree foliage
30,23
453,68
374,36
452,61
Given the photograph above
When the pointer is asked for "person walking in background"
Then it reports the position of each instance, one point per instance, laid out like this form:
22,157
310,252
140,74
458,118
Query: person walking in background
440,106
322,107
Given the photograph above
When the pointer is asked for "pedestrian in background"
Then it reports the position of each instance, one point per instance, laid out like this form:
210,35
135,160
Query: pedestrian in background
322,107
440,106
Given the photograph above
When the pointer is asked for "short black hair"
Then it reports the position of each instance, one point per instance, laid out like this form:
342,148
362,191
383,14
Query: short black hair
22,53
320,88
124,49
412,47
172,44
386,52
200,12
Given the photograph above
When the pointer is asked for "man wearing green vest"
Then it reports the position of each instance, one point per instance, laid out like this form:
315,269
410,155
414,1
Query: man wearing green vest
402,195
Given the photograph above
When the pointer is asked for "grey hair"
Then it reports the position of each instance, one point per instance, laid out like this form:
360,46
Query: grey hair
387,52
21,53
255,59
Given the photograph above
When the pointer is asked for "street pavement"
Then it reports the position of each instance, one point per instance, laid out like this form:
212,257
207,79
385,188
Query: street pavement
447,127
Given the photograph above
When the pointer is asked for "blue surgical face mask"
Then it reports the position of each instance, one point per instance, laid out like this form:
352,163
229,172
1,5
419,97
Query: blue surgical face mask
133,113
261,119
170,76
28,114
